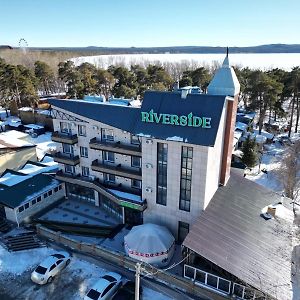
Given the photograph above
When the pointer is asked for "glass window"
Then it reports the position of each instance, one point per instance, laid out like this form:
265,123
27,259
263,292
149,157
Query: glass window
21,208
67,148
107,134
109,156
69,169
162,163
83,151
56,189
136,161
60,187
49,193
82,130
39,199
109,177
183,230
186,178
45,195
33,201
85,171
137,184
135,140
65,127
26,205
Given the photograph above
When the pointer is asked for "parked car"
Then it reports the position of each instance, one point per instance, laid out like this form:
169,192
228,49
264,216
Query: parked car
104,288
127,291
50,267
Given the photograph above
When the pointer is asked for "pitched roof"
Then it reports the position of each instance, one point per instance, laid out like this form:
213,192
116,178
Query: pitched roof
13,196
232,234
119,116
129,119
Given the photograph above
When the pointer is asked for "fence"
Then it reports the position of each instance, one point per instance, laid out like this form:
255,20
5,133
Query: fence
222,285
122,260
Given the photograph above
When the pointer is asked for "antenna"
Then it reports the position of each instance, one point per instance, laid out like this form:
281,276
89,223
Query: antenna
227,50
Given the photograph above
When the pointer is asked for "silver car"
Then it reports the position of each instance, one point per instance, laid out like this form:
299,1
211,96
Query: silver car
50,267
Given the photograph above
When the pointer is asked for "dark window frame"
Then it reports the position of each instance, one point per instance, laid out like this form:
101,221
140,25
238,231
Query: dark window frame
162,174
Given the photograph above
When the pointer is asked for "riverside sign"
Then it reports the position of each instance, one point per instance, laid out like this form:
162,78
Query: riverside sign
167,119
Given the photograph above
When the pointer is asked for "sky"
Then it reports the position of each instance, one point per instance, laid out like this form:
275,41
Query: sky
128,23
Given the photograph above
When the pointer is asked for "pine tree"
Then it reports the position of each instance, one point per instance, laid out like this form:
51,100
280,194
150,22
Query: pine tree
249,152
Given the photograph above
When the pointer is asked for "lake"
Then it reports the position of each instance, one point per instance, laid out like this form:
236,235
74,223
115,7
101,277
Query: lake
263,61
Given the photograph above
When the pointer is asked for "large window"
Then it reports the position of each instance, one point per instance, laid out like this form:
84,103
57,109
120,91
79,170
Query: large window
108,156
137,184
85,171
107,134
83,151
183,230
162,163
135,140
136,161
109,178
186,178
67,149
69,169
65,127
82,130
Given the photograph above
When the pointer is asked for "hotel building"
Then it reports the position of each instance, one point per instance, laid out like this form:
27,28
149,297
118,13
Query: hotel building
160,163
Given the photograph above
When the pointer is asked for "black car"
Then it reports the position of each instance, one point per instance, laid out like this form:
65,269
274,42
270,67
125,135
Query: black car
126,292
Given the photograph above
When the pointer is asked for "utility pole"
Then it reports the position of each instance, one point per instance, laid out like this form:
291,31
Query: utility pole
137,281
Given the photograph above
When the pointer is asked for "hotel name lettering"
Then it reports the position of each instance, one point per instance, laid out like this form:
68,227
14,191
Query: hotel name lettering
190,120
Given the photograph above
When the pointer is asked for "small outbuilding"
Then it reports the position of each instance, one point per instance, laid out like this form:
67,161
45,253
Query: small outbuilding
150,243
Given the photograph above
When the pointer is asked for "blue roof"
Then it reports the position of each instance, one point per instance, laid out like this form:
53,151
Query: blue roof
129,118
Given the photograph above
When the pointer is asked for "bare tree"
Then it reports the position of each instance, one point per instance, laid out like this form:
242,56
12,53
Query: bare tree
289,172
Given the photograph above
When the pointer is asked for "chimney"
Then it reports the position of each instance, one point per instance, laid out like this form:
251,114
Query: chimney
226,83
271,211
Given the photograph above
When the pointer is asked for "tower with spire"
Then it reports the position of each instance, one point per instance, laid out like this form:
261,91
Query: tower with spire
225,83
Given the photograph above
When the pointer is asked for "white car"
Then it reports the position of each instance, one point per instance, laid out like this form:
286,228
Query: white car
104,288
50,267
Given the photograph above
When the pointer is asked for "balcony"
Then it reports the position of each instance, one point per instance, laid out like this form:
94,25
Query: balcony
117,170
65,138
116,147
108,190
66,158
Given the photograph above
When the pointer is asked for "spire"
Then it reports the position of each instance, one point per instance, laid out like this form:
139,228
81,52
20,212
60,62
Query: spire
224,81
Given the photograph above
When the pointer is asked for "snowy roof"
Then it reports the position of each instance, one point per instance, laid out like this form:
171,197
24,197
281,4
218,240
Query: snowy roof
7,142
266,134
14,134
34,126
125,195
231,233
25,109
25,190
224,81
240,126
36,168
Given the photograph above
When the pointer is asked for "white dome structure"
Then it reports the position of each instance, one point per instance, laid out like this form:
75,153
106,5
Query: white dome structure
150,243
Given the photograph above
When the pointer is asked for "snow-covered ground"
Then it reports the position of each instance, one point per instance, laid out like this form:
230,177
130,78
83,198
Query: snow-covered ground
263,61
72,283
44,144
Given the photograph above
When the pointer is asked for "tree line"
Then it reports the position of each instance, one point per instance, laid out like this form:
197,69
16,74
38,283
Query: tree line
263,91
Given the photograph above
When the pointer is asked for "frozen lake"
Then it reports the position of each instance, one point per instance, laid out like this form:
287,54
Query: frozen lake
263,61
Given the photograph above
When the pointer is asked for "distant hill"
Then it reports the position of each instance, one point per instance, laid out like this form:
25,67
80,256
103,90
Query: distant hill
271,48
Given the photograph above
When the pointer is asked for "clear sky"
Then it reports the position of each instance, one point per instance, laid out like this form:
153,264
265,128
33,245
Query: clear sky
127,23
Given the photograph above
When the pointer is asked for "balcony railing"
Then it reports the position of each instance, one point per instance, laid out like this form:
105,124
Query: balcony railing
66,158
116,147
117,170
104,189
65,138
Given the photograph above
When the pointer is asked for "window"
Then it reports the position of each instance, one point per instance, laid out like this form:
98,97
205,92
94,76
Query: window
60,187
107,289
49,193
39,199
107,134
186,178
67,149
59,262
109,177
136,161
135,140
33,201
83,151
137,184
183,230
162,163
69,169
82,130
108,156
26,205
65,127
85,171
45,195
21,208
52,267
56,189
